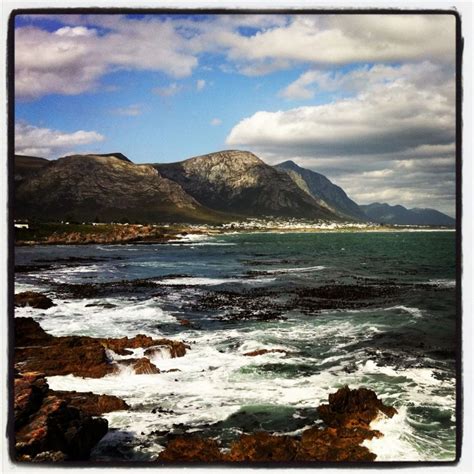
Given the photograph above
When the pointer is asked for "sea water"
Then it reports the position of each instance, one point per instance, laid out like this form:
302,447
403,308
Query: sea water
403,347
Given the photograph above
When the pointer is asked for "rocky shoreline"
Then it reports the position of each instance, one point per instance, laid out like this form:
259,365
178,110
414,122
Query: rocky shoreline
59,426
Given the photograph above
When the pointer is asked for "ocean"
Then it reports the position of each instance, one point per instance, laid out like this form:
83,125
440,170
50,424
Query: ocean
368,309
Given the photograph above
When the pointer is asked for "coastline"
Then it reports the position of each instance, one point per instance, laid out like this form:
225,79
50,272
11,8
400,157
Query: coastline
123,234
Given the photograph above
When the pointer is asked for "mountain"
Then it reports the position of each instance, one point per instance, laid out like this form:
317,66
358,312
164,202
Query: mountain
386,214
239,182
25,166
324,191
102,187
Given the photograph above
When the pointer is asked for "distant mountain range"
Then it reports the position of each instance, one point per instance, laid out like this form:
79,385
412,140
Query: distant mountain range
386,214
212,188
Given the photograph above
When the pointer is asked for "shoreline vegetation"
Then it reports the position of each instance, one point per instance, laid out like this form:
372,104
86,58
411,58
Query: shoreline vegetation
65,233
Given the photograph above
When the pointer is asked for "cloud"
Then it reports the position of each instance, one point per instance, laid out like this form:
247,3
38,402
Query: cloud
200,84
48,143
168,91
422,74
74,58
391,115
216,122
131,111
394,132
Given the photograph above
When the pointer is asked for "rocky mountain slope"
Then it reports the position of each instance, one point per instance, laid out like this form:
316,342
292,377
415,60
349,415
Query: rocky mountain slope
387,214
323,190
239,182
104,187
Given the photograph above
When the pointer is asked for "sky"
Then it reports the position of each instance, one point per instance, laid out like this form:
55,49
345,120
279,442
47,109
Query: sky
366,100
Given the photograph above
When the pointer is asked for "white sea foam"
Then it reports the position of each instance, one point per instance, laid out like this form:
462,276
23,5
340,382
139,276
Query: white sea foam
215,380
442,282
296,270
126,318
416,312
197,281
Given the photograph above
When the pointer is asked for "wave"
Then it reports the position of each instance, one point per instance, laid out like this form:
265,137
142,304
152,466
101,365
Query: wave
295,270
198,281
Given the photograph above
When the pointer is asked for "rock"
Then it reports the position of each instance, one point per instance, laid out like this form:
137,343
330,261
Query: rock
264,351
29,389
348,415
263,447
47,429
331,444
176,348
353,408
81,356
144,366
90,403
29,333
191,449
77,355
33,299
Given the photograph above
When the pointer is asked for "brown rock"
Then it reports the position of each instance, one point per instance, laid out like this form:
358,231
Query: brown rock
80,355
46,428
353,408
331,444
33,299
144,366
77,355
119,345
90,403
30,389
29,333
191,450
263,447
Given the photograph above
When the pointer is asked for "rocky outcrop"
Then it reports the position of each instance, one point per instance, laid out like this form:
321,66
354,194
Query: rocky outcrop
82,356
347,416
33,299
238,182
353,408
90,403
191,449
47,428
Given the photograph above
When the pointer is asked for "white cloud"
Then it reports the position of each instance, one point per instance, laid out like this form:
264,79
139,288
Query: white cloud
216,122
390,115
74,58
394,133
130,111
366,77
200,84
48,143
168,91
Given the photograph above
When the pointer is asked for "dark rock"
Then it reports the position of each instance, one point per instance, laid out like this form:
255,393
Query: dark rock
79,355
263,447
47,429
191,450
264,351
353,408
90,403
33,299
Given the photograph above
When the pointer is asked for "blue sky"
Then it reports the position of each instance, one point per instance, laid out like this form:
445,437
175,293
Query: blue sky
366,100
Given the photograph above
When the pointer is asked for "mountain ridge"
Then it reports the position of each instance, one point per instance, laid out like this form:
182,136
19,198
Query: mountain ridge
240,182
323,190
